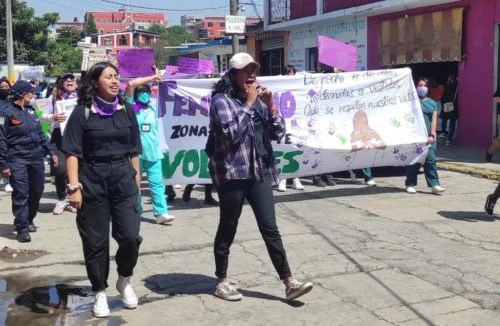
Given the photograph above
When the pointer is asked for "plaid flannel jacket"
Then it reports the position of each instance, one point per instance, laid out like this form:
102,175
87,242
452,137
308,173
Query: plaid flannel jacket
235,156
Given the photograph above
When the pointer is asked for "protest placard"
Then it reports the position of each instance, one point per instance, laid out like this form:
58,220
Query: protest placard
135,62
335,122
337,54
66,107
33,72
195,66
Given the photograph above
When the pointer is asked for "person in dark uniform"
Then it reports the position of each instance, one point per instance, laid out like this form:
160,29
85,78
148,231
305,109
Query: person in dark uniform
23,147
4,94
102,143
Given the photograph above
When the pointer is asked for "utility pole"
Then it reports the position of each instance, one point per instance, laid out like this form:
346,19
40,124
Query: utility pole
233,8
10,43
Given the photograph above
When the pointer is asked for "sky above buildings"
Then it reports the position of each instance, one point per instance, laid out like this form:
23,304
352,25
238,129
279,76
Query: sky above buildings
173,9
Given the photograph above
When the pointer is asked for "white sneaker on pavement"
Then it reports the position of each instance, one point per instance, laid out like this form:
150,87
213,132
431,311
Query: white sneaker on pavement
411,190
282,185
101,309
371,183
437,189
297,184
297,289
59,208
129,298
225,290
164,219
177,186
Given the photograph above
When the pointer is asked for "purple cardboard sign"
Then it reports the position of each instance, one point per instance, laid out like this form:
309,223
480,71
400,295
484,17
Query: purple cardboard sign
169,70
135,62
195,66
337,54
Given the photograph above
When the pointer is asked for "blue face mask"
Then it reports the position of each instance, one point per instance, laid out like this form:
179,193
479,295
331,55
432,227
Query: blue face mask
143,97
422,91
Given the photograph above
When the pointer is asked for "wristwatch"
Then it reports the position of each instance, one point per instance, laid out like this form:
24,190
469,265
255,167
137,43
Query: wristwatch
73,188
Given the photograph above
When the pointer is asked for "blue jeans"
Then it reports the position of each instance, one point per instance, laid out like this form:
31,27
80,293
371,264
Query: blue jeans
366,173
453,125
155,180
430,170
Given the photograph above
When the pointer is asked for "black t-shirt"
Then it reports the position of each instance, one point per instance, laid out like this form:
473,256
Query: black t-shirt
99,137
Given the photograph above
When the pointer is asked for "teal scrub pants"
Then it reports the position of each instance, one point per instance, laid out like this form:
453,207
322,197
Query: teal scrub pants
155,180
430,170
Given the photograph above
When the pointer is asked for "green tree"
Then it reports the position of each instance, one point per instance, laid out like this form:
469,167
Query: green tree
30,33
64,58
69,35
169,36
90,27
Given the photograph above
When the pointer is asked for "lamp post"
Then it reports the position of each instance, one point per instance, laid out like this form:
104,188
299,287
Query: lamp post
10,43
233,7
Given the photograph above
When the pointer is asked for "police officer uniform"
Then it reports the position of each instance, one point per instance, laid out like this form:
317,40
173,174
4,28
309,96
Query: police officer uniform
23,146
103,146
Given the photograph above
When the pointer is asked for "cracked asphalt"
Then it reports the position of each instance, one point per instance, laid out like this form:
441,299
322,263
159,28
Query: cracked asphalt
377,256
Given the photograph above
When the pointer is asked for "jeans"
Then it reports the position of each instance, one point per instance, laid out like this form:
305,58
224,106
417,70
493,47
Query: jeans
453,125
366,173
430,170
259,195
155,180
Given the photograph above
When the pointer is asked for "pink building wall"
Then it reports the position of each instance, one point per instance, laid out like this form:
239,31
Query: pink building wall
476,72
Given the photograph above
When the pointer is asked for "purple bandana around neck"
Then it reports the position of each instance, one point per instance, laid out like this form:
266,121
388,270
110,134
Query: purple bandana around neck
137,106
68,96
104,108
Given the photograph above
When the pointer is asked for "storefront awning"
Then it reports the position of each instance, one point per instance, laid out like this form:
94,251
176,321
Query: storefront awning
430,37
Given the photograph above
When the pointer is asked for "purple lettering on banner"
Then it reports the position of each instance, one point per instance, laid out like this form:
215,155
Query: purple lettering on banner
179,102
135,62
287,105
163,98
337,54
202,106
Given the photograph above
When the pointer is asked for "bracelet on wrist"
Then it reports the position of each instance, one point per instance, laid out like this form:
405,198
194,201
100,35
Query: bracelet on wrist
75,187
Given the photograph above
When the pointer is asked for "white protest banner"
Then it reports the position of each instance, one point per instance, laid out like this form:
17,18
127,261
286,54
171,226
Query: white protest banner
66,107
335,122
235,24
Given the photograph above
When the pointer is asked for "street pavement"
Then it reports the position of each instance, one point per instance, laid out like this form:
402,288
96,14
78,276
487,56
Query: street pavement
377,256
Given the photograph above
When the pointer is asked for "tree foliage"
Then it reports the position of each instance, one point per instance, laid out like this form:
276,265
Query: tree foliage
169,36
90,27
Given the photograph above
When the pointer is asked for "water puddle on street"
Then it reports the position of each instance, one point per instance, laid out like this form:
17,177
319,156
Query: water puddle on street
20,255
50,301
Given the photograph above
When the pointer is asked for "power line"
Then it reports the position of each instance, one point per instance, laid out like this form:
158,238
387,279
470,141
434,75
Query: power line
163,9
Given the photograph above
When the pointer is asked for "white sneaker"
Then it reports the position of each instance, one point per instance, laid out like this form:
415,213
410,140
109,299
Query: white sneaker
297,289
297,184
352,175
164,219
437,189
411,190
282,185
371,183
8,188
129,298
177,186
225,290
101,308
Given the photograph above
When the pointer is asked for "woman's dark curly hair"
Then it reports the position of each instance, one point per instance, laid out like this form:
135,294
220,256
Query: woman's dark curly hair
226,85
88,91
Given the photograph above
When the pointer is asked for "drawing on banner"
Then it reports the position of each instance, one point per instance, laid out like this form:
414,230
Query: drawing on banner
363,136
335,122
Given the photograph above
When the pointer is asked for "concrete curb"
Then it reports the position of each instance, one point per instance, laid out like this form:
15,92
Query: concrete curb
467,169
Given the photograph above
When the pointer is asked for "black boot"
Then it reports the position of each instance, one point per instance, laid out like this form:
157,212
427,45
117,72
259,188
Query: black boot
170,192
209,200
186,196
32,227
23,236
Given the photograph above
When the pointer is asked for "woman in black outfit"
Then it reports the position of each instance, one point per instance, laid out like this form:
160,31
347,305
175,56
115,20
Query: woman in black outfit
102,144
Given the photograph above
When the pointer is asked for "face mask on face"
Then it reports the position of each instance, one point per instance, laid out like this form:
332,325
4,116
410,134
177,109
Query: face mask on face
143,97
4,93
422,91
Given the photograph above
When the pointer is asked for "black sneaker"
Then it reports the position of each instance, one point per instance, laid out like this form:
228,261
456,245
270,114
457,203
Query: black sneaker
488,157
489,206
319,183
23,236
329,180
211,201
32,227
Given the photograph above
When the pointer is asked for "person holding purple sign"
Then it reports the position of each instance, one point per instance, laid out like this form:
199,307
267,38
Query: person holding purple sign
243,122
138,95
